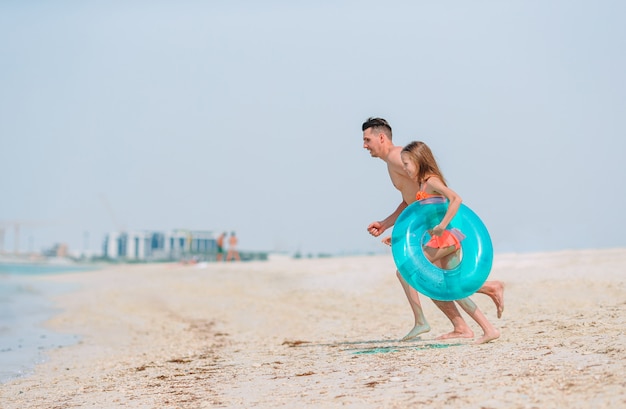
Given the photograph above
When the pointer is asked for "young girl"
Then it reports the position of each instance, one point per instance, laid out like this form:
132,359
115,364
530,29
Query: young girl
445,245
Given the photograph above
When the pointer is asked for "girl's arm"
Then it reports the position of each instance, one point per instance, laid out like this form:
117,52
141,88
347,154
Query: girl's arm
455,200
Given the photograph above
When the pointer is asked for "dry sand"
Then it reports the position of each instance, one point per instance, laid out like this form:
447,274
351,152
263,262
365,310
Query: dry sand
324,333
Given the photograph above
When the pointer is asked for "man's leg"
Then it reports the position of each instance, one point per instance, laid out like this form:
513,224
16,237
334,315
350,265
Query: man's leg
461,329
489,332
421,326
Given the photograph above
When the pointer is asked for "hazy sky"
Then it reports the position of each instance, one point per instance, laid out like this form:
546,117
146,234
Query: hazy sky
246,116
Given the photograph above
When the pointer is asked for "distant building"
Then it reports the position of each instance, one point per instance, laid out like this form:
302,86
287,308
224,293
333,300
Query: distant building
160,246
57,250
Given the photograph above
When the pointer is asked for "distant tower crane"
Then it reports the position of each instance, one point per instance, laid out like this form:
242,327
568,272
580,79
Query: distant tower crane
16,225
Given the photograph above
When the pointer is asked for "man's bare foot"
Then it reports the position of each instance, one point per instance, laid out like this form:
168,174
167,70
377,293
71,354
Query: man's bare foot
457,334
416,331
495,290
488,337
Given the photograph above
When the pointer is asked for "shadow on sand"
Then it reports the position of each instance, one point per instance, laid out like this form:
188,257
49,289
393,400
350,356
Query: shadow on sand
382,346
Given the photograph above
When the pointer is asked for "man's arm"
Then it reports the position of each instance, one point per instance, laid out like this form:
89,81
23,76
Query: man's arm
377,228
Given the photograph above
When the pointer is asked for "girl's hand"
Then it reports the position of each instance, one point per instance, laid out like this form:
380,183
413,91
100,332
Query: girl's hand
437,230
387,241
434,184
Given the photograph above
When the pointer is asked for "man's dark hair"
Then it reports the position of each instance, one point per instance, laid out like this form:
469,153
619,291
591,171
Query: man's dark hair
377,125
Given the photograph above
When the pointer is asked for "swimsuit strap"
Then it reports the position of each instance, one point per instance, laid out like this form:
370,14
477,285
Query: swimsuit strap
424,182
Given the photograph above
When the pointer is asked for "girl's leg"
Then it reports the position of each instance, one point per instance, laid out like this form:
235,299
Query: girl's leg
489,331
434,255
452,260
460,327
442,258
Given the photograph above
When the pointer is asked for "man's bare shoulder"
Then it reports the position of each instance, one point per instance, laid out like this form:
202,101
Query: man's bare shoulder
394,161
395,156
399,178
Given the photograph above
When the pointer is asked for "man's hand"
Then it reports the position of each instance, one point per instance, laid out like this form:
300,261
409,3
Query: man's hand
375,229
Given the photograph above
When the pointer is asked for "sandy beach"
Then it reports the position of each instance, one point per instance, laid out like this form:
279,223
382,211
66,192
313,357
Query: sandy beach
325,333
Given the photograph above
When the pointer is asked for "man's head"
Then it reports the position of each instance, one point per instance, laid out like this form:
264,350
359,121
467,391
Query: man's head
376,136
377,125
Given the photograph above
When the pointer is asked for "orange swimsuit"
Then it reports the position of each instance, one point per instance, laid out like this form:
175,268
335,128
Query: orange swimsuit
421,195
448,238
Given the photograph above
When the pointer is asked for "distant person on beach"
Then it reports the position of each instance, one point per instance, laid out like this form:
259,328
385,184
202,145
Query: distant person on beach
233,254
377,139
220,246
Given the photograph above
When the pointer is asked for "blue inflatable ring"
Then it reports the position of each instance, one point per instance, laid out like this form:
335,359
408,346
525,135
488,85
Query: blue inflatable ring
410,234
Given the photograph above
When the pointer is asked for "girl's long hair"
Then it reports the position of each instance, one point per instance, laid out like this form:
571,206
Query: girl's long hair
423,157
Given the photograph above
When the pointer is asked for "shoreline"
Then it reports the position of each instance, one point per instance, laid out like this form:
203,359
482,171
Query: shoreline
324,333
27,304
26,342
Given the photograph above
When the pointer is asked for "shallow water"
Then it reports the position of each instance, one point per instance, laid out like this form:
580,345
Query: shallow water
25,305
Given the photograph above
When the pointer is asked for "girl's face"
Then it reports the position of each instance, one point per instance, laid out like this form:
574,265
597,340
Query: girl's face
409,166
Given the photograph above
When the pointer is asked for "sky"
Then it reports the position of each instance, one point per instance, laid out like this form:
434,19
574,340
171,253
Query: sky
246,116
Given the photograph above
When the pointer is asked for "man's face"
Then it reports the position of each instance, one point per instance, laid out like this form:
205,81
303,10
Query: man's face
372,142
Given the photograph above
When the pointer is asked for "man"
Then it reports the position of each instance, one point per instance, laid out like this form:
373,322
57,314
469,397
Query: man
233,254
377,139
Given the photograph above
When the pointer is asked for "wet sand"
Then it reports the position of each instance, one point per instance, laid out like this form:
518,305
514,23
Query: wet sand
325,333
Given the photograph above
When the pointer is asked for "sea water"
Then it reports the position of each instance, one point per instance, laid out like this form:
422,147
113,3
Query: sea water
25,305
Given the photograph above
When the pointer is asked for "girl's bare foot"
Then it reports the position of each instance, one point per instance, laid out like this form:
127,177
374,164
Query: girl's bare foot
495,290
416,331
498,297
488,337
